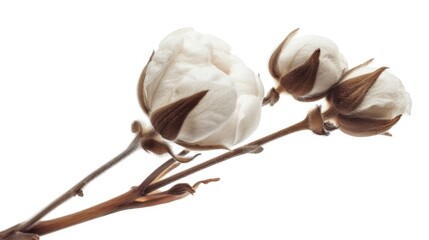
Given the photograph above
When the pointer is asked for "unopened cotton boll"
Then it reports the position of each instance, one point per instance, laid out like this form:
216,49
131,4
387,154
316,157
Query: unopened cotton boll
307,66
369,101
198,94
386,99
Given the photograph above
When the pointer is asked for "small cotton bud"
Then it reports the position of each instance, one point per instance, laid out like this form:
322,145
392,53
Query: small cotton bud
369,101
308,66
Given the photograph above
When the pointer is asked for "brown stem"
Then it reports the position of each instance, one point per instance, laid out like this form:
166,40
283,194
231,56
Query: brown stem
75,190
116,204
102,209
126,200
233,153
119,203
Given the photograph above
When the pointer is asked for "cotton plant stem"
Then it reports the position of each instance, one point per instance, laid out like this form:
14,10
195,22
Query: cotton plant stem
75,190
116,204
100,210
125,201
303,125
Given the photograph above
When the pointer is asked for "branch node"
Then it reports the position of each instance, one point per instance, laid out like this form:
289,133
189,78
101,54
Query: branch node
79,193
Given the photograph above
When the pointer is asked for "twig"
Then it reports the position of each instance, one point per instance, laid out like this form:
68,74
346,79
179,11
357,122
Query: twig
126,200
116,204
75,190
303,125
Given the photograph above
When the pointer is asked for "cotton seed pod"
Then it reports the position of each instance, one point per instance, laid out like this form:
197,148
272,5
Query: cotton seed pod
369,101
198,94
308,66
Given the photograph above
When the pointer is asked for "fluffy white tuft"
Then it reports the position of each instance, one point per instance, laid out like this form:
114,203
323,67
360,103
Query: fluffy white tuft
188,62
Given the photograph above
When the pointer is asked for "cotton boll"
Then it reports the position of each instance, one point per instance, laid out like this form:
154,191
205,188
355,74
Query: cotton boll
188,63
368,102
308,66
239,126
386,99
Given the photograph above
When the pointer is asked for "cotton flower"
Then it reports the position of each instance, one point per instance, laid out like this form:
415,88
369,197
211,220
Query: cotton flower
308,66
198,94
369,101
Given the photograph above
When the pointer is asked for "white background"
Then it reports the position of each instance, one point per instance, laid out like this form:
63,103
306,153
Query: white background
68,76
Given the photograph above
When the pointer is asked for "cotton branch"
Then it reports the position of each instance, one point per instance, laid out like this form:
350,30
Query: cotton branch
147,194
361,102
75,190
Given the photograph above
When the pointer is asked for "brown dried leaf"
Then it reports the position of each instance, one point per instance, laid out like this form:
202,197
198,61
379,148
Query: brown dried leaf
176,192
207,181
181,189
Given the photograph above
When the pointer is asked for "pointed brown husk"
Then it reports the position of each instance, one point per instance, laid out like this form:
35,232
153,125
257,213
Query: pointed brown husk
363,127
300,80
348,95
272,64
169,119
140,90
